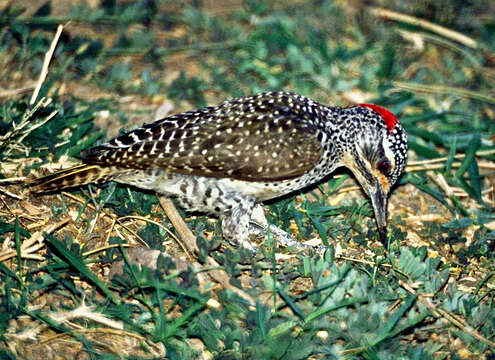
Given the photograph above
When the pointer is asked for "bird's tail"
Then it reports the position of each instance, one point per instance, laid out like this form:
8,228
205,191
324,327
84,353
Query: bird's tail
74,176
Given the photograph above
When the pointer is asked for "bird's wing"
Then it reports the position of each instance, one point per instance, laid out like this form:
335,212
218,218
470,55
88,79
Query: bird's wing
254,138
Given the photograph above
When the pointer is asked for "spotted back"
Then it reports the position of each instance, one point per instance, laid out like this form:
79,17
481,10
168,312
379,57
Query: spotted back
265,137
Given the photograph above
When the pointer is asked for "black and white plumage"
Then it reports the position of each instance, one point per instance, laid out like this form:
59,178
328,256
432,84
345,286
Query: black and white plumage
224,159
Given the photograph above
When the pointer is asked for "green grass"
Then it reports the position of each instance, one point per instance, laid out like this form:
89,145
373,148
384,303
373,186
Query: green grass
429,298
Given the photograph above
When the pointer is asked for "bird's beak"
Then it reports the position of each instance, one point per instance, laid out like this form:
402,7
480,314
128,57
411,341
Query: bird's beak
379,201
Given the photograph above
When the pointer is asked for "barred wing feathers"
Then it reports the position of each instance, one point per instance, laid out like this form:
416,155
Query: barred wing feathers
258,138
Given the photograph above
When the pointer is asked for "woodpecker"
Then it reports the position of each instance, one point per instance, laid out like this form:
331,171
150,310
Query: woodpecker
225,159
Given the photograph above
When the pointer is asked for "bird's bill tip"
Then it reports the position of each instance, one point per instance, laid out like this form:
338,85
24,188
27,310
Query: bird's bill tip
382,232
379,201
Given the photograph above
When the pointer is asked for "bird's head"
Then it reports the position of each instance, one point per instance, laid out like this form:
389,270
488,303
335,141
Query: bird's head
377,155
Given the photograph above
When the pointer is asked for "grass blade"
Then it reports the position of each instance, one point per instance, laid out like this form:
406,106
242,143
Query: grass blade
474,177
450,158
291,304
394,319
473,146
80,266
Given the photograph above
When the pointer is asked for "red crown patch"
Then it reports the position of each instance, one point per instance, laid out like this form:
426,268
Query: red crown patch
387,116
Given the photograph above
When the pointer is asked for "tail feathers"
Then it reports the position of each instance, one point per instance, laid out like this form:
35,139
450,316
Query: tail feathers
75,176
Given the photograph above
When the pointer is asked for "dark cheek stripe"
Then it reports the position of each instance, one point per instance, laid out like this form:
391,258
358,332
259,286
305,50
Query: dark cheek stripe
364,171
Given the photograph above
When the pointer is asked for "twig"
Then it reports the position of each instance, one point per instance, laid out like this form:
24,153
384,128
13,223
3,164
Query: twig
46,63
12,195
427,167
348,189
107,239
361,261
85,312
34,243
445,158
13,179
448,90
190,242
411,20
89,331
24,127
37,343
81,201
460,323
451,46
13,92
172,50
106,247
186,235
161,226
111,216
424,218
10,210
37,125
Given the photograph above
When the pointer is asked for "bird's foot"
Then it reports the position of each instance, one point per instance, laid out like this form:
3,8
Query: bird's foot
235,225
260,227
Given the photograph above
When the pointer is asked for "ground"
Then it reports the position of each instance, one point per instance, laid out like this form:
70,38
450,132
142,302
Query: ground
70,289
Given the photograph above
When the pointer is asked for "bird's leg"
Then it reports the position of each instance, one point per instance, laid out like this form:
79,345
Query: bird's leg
235,223
260,226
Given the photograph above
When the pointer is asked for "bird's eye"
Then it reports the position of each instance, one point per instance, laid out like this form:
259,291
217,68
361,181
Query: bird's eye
384,166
